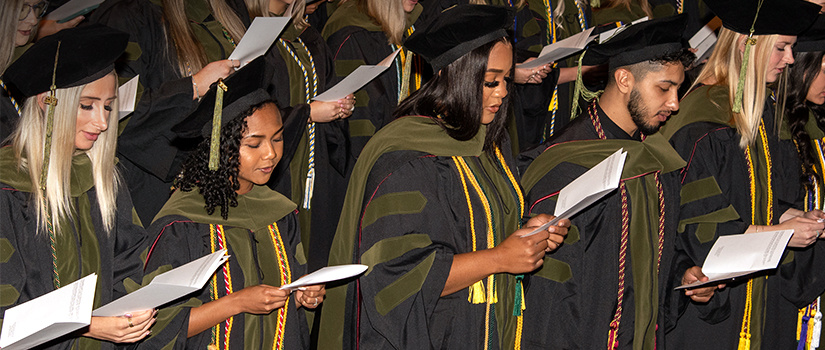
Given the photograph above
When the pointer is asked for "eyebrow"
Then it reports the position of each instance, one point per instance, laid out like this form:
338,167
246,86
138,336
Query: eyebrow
494,70
671,82
96,98
262,136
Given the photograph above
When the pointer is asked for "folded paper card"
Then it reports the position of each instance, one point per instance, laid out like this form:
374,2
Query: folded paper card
327,274
356,80
560,49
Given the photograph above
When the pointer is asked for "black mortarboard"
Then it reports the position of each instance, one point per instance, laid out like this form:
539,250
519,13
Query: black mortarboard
457,31
639,42
226,100
812,39
786,17
86,54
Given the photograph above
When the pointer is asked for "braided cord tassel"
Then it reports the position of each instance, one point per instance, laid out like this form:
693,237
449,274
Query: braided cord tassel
215,141
50,100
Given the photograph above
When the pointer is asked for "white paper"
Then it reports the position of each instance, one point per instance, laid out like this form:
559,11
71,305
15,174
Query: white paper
327,274
258,38
560,49
356,80
739,255
609,34
73,9
703,41
587,188
166,287
49,316
127,97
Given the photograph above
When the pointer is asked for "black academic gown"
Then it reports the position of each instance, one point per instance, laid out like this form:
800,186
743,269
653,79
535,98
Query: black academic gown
83,246
8,113
330,156
716,201
406,216
149,150
572,299
182,233
356,40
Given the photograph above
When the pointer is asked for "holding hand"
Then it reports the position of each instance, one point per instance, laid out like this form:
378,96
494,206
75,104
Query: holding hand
531,75
703,294
259,300
806,230
324,112
210,74
311,296
128,328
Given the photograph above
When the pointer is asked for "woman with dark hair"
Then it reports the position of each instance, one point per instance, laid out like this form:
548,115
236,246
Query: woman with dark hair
221,203
432,204
805,113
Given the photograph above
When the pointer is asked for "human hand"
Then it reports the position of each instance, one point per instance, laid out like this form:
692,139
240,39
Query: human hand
815,214
259,300
323,112
518,254
211,73
806,230
128,328
533,75
556,233
703,294
311,296
49,26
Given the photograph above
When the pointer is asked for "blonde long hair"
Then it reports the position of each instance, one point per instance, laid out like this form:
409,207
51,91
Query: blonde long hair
723,68
9,15
27,142
389,14
190,54
260,8
644,4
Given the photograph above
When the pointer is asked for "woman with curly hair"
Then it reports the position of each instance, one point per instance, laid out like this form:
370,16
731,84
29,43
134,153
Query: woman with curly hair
221,203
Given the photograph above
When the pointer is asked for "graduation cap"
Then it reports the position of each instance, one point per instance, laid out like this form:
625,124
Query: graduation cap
639,42
812,39
68,58
459,30
226,100
762,17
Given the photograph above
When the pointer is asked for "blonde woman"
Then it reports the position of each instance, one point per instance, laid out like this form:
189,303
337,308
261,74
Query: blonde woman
365,32
65,213
742,177
18,26
314,131
178,48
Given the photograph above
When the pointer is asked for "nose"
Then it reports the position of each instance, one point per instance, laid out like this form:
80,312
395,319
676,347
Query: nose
673,102
501,90
789,55
269,151
100,120
31,18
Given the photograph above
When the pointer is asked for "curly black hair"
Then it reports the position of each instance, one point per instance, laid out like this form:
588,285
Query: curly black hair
218,187
800,76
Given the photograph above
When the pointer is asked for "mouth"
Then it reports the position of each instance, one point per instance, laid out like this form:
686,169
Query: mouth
494,108
91,136
25,33
663,116
266,170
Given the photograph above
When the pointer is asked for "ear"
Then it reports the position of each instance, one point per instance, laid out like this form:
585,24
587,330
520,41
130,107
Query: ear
740,42
624,80
41,100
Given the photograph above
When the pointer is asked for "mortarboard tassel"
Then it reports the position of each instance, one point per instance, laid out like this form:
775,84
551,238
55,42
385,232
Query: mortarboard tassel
50,100
477,293
519,304
580,90
215,143
743,71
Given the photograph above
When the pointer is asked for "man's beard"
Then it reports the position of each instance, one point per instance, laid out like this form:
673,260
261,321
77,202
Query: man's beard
638,113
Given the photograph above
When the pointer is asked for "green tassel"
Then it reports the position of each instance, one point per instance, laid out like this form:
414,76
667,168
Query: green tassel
581,91
50,100
215,143
519,303
743,71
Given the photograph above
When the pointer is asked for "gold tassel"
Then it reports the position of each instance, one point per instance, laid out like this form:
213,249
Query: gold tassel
744,341
492,298
50,100
477,293
215,143
580,90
